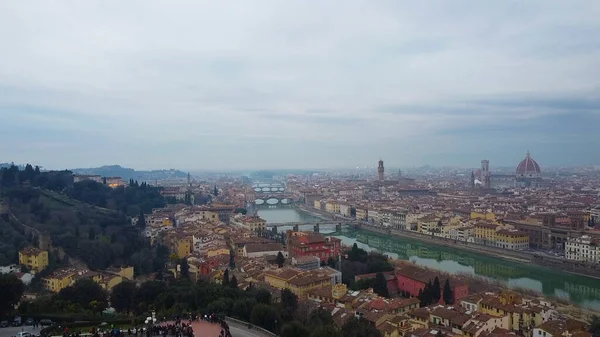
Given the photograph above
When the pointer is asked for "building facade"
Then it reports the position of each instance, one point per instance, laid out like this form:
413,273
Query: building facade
34,259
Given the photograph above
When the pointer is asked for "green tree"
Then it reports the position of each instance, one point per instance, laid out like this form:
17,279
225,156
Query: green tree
326,331
185,268
225,278
280,259
92,234
331,262
83,292
294,329
122,295
289,299
11,290
263,296
141,220
233,283
243,211
265,316
595,326
231,259
436,290
448,295
359,328
380,285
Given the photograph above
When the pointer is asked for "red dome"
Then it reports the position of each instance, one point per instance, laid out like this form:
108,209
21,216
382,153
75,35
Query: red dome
528,166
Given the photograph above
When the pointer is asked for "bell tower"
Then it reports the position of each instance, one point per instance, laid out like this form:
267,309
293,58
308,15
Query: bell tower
380,170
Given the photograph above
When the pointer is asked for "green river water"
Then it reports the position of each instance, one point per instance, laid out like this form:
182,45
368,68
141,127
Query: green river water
579,289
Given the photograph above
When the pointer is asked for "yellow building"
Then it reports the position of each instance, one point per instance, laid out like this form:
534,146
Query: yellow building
485,232
520,318
362,212
512,239
34,259
317,204
218,251
297,281
483,216
59,280
253,223
125,272
109,282
332,206
183,247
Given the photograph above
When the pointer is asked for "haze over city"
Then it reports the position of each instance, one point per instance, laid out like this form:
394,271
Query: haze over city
284,84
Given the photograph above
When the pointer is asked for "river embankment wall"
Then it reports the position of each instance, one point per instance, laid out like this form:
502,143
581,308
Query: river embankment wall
582,269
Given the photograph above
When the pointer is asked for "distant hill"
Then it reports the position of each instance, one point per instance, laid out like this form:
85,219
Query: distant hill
128,173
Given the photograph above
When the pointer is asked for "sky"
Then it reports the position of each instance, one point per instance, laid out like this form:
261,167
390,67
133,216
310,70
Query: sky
299,84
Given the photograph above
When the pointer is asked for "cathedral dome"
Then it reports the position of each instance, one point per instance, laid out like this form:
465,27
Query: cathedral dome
528,168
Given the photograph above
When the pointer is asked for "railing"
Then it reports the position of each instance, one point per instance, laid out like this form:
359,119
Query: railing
254,327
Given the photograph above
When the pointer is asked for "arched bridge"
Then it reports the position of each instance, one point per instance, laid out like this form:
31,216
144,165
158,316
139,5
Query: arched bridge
312,222
268,188
273,199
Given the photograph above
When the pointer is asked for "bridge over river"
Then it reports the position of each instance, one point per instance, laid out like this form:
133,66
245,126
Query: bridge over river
310,222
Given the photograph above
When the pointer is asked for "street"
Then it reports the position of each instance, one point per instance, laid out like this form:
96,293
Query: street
11,331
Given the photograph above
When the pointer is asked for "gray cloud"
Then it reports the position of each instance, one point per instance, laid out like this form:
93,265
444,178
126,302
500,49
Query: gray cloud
340,85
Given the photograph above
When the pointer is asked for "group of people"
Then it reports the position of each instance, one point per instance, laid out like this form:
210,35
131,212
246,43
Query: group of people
177,329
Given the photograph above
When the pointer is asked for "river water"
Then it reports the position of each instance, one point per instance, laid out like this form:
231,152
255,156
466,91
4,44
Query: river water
582,290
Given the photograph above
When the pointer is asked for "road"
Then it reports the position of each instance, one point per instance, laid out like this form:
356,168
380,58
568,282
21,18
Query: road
243,331
11,331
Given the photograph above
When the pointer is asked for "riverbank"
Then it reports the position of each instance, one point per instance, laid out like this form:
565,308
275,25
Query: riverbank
507,255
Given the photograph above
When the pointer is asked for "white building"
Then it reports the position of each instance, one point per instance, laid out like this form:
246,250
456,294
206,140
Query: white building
582,249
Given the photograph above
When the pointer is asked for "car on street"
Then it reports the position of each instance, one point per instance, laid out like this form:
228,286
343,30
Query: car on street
23,334
4,324
29,321
46,322
17,321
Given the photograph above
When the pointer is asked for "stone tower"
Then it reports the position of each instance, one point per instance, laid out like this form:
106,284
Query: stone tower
380,170
485,173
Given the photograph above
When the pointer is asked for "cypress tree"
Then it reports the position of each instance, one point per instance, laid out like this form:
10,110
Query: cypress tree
448,295
226,277
436,291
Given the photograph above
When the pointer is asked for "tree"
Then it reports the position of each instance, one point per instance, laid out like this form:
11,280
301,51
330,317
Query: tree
231,259
359,328
185,268
380,285
331,262
289,299
121,297
280,259
323,263
83,292
595,326
243,211
294,329
436,290
326,331
113,238
92,234
11,290
233,283
141,220
265,316
448,295
226,277
215,191
263,296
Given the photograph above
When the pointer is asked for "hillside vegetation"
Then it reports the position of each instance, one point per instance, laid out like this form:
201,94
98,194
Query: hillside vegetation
90,221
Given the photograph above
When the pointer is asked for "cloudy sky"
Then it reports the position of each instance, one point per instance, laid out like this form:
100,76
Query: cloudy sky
298,84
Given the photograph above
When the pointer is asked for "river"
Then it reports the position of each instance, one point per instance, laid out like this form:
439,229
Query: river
582,290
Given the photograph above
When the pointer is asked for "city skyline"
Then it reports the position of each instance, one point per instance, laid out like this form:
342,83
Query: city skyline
283,85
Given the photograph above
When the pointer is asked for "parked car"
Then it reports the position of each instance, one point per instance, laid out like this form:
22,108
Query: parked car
46,322
4,324
23,334
29,321
17,321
